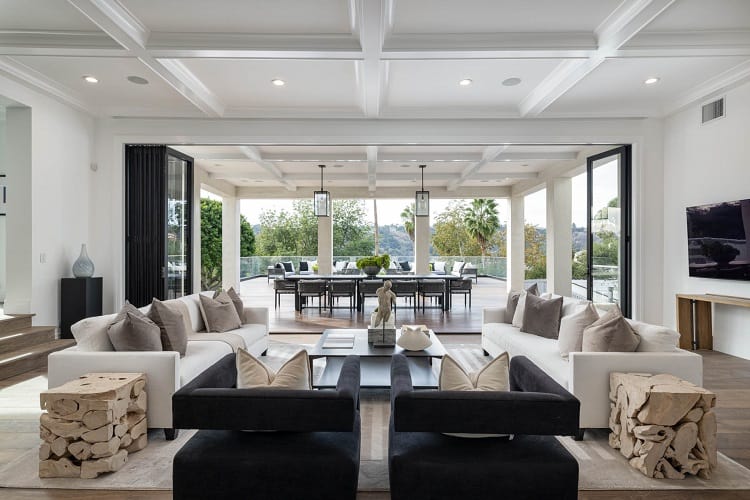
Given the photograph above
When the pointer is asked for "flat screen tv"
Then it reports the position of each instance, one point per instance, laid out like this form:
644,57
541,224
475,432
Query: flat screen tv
719,240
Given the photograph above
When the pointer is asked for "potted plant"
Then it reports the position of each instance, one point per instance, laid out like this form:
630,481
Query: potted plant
371,265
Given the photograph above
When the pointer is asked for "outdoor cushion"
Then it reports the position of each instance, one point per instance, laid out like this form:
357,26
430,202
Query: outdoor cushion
288,266
303,265
405,266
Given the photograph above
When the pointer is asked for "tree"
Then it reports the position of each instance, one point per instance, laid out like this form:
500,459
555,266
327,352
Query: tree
352,235
407,217
451,236
535,243
482,222
284,233
210,244
247,238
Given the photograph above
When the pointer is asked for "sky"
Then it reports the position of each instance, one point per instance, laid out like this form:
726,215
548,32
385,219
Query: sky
535,212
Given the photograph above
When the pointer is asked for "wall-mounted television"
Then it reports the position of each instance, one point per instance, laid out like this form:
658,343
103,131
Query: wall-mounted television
719,240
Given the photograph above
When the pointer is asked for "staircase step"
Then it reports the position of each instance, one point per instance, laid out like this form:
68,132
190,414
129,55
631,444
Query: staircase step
32,358
26,338
15,322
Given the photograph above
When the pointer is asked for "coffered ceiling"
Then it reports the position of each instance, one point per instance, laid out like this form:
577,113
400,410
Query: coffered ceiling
378,59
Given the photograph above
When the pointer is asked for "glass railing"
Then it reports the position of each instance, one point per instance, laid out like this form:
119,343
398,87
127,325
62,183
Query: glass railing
488,266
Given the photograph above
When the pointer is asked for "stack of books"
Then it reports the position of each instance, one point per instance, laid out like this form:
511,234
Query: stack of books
339,341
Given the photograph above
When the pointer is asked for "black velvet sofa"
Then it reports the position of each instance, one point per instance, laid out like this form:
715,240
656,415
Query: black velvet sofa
424,463
303,444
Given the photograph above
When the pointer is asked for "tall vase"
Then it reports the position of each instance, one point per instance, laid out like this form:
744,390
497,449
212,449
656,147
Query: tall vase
83,267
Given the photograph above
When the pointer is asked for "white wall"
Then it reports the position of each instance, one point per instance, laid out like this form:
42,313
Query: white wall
61,141
2,218
706,164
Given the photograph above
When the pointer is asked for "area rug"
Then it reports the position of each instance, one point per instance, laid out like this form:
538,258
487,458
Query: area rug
601,467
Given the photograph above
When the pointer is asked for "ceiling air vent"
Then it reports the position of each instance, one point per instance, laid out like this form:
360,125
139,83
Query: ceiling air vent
712,110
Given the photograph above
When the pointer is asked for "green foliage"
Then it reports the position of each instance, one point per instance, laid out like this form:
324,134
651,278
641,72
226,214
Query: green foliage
284,233
352,234
580,271
482,221
407,217
375,260
606,248
247,238
210,244
536,252
451,236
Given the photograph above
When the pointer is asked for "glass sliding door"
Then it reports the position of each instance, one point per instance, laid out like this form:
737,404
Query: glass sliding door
179,193
608,232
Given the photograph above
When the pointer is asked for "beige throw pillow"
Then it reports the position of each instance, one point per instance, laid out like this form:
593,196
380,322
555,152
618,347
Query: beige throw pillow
571,329
171,325
219,316
134,332
542,316
254,374
610,333
492,377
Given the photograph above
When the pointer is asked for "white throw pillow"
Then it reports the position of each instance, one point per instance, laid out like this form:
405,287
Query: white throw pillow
254,374
570,338
492,377
520,308
439,266
655,338
340,265
91,333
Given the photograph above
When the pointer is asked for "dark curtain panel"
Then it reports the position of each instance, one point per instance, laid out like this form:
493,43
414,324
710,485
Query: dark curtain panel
145,216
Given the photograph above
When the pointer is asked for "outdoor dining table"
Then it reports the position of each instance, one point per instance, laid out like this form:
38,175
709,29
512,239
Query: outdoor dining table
359,277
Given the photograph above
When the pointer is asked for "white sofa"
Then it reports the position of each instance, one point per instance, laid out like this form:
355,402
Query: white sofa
586,374
166,371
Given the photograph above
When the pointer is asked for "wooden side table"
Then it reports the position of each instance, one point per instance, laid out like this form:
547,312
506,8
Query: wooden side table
91,424
694,318
663,425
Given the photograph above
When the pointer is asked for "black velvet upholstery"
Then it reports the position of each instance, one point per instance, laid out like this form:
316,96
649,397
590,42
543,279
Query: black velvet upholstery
211,401
536,405
313,452
426,464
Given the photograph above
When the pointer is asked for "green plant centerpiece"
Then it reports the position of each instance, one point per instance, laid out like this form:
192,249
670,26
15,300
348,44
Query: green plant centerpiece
371,265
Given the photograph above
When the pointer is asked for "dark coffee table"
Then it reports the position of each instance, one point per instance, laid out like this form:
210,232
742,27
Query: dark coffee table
375,362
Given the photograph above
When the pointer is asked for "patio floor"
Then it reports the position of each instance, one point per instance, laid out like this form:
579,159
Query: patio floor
488,292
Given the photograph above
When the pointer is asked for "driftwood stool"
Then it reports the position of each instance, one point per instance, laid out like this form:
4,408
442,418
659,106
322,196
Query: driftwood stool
663,425
91,424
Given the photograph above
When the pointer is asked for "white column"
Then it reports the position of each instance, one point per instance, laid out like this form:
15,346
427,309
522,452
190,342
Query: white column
422,245
196,237
559,238
230,243
325,244
516,264
19,252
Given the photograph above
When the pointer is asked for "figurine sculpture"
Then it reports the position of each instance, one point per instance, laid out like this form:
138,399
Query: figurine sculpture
382,314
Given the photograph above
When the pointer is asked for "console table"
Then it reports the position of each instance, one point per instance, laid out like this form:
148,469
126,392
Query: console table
694,318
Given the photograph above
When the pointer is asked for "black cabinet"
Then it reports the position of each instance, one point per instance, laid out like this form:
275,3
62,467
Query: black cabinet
79,298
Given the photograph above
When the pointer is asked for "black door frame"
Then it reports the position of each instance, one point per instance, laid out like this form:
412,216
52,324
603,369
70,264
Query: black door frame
626,226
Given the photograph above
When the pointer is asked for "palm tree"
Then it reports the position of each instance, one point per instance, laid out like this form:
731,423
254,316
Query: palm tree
407,217
482,222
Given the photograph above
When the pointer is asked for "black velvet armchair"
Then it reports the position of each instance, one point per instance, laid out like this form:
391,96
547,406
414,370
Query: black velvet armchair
424,463
298,444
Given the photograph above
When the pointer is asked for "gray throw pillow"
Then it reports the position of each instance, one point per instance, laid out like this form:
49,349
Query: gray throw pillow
230,294
513,296
610,333
219,316
127,308
570,338
171,326
542,316
134,333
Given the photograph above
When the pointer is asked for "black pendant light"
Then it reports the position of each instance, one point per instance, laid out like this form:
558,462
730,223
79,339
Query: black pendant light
322,199
422,199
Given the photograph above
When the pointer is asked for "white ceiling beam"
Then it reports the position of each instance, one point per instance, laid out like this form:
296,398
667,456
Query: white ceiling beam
129,32
537,155
59,43
372,167
370,27
489,155
210,156
630,17
313,157
342,192
312,177
427,157
254,154
687,44
30,76
709,88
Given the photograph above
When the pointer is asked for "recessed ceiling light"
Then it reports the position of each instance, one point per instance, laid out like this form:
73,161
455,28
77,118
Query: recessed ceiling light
484,180
258,180
138,80
511,82
652,80
218,165
524,165
337,166
405,165
278,82
465,82
90,79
